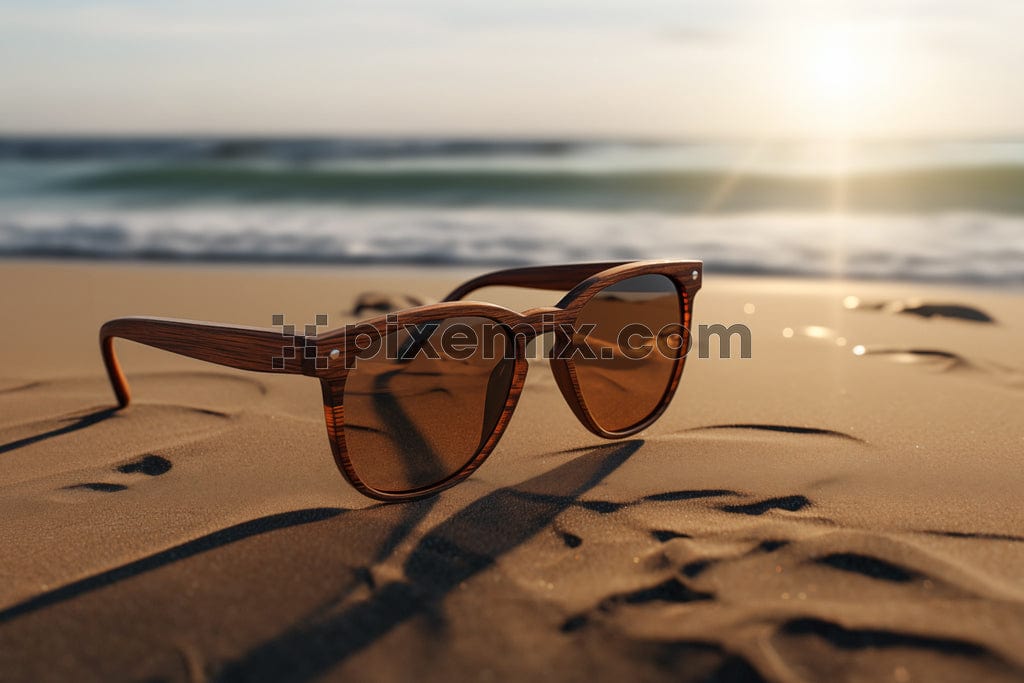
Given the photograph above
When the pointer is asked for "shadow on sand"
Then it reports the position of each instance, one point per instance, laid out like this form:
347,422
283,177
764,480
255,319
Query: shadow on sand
457,549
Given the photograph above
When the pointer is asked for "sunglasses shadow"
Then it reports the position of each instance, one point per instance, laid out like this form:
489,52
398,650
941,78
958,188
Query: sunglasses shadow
421,461
203,544
456,550
75,423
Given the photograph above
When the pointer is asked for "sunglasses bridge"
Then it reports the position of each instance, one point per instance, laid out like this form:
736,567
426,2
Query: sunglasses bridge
539,318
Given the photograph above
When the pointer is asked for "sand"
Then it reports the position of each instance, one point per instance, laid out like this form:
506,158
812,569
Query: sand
807,514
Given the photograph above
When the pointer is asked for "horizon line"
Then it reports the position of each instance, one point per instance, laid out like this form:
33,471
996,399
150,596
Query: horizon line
552,137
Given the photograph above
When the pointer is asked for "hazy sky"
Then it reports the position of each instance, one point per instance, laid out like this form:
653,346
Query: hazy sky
742,68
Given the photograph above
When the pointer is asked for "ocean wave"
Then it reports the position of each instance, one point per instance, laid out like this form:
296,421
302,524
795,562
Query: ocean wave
960,247
294,149
982,188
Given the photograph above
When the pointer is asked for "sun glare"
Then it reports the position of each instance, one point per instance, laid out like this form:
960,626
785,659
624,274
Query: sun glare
839,76
835,73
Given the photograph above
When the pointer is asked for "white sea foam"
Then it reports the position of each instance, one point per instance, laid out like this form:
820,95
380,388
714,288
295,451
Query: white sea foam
972,247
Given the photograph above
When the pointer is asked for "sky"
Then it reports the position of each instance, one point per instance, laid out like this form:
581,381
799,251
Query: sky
580,68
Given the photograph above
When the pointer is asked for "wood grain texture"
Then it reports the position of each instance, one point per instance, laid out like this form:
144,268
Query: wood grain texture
328,356
244,348
563,278
687,277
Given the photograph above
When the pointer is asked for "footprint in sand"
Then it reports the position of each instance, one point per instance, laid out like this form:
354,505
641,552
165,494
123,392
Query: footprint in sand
890,563
788,503
871,567
791,503
149,465
820,648
934,358
805,597
923,309
674,595
571,540
670,591
939,360
605,507
46,423
942,361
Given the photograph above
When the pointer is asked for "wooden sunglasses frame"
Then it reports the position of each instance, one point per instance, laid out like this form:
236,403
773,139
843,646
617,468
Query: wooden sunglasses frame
321,355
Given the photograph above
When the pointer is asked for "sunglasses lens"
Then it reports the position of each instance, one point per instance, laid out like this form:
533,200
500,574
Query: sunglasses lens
634,347
424,404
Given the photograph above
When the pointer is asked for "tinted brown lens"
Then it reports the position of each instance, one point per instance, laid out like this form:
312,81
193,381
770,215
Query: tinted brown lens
425,403
637,340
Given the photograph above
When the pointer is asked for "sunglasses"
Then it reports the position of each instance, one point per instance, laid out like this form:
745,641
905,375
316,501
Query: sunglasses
416,400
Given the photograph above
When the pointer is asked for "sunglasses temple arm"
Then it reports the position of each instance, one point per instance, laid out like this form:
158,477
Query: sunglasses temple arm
243,348
561,278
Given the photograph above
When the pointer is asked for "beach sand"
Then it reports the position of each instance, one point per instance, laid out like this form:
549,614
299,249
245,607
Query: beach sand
806,514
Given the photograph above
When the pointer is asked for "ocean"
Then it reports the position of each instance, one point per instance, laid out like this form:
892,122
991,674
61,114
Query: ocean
924,210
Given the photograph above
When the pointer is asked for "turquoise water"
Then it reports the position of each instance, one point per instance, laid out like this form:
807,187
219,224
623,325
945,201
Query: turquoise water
925,210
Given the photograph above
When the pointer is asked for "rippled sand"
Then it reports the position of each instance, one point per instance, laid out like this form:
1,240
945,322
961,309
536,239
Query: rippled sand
844,505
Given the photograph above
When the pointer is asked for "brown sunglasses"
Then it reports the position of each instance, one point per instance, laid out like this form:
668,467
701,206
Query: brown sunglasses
416,400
